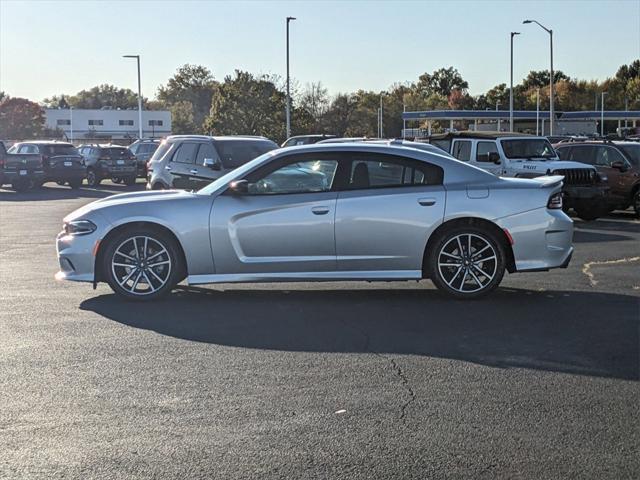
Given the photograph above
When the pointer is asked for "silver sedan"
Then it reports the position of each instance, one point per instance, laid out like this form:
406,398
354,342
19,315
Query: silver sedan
358,211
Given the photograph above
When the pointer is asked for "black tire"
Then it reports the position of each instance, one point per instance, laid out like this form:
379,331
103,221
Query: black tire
636,202
473,276
159,186
75,183
156,239
93,180
21,185
128,181
588,214
62,183
116,179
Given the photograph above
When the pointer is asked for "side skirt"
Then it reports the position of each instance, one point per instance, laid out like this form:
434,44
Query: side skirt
371,275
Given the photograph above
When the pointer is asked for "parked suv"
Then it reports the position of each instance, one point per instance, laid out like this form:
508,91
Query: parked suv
193,161
21,171
61,162
618,161
109,161
528,156
144,150
306,139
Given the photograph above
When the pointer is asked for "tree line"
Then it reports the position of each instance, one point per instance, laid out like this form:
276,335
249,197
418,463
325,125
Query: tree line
249,104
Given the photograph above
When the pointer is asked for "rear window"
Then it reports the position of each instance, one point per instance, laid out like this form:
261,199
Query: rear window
115,152
53,150
162,149
235,153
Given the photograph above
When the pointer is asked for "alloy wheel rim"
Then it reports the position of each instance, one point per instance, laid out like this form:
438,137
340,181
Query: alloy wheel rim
467,263
141,265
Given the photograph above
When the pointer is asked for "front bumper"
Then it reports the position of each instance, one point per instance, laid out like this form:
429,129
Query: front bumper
592,194
542,239
75,255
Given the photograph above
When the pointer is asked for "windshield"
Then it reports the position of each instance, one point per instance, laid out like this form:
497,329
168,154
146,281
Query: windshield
237,173
53,150
633,152
529,148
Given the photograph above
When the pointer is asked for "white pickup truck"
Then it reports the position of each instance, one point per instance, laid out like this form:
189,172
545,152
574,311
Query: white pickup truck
528,156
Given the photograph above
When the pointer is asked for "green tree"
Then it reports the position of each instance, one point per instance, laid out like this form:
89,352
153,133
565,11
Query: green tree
97,97
193,84
540,78
182,121
247,105
442,82
20,119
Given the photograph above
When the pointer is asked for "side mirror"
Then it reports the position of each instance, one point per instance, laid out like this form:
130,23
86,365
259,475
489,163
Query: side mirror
619,166
239,187
213,164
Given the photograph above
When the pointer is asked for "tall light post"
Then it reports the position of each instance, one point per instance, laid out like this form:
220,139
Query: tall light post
289,19
602,113
497,104
71,121
137,57
550,32
513,34
538,110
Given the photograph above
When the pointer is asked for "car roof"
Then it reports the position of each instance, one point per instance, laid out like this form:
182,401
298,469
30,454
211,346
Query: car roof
482,135
597,142
216,138
44,142
102,145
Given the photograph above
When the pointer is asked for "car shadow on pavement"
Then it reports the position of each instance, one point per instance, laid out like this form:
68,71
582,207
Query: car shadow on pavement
581,236
51,192
587,333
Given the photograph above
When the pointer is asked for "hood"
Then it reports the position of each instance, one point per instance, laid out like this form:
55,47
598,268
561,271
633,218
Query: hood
550,165
128,198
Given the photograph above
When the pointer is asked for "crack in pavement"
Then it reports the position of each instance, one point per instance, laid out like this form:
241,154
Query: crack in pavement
586,268
398,371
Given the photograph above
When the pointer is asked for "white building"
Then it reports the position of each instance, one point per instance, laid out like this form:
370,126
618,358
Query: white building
107,124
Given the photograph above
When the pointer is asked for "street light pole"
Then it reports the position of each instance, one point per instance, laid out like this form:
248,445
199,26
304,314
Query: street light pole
498,103
137,57
381,113
289,19
550,32
71,121
602,114
537,110
511,88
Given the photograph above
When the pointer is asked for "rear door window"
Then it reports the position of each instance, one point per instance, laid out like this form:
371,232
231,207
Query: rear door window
563,153
387,171
206,151
235,153
483,148
462,150
605,156
186,153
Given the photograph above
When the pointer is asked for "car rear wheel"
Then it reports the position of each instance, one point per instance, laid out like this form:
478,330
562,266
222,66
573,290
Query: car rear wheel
92,178
22,185
128,181
75,183
141,264
636,203
466,262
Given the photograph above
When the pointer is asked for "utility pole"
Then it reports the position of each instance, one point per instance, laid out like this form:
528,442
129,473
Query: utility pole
511,87
551,96
289,19
137,57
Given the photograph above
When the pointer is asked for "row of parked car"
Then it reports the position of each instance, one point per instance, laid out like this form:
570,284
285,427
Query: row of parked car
31,164
599,175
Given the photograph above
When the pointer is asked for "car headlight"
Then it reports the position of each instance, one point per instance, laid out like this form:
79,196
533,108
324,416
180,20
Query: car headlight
603,178
79,227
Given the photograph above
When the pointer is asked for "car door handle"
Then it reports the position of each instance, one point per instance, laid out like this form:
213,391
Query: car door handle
194,171
427,202
320,210
167,168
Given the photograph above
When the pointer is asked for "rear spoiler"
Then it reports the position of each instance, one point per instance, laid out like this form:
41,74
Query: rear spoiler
548,181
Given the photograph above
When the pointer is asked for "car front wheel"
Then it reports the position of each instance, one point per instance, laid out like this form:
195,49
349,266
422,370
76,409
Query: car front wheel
466,262
141,264
92,178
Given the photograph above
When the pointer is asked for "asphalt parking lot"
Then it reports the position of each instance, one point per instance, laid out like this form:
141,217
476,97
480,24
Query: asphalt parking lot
351,380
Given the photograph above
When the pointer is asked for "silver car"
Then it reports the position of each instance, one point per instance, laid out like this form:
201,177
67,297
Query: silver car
350,211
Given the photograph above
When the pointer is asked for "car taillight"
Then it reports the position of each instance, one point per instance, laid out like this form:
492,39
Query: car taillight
555,201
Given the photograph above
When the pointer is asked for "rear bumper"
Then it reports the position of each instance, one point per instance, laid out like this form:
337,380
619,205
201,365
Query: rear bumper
65,174
13,176
542,239
109,172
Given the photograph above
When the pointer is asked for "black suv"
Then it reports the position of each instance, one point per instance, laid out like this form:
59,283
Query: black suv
193,161
109,161
61,162
619,162
144,150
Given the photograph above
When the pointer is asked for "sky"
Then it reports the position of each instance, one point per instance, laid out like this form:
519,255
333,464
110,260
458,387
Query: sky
54,47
